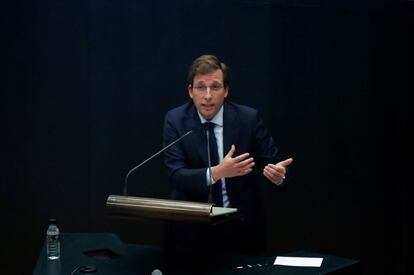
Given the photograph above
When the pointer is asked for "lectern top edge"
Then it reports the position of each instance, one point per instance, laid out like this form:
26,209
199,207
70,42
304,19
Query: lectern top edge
163,209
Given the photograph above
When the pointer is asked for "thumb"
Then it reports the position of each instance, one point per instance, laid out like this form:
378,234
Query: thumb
286,162
231,151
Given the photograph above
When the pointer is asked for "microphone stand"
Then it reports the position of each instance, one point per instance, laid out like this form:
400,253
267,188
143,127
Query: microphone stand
125,189
210,185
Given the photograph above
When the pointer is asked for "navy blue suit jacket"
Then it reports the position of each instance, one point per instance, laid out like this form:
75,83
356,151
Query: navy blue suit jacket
186,162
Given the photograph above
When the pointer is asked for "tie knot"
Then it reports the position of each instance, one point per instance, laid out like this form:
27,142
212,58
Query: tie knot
209,125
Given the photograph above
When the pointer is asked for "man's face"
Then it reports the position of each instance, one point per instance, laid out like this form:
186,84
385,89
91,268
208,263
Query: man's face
208,93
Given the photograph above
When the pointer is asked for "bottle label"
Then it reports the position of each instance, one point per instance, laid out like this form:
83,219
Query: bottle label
53,237
53,244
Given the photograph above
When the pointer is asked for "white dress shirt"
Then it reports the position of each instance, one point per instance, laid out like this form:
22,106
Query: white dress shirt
218,132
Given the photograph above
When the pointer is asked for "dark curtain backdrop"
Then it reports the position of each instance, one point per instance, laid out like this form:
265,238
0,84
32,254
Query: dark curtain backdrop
86,85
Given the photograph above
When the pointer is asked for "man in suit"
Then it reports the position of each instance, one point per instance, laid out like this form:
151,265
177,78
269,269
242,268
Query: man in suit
240,148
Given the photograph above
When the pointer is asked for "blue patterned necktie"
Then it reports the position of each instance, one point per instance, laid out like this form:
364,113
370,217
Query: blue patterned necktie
217,197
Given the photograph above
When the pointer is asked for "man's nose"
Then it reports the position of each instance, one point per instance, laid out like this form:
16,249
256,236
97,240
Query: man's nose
208,93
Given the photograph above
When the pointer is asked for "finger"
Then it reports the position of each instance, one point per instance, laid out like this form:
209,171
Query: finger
251,164
269,175
231,151
275,178
275,173
243,163
246,171
280,169
241,157
276,167
245,168
285,162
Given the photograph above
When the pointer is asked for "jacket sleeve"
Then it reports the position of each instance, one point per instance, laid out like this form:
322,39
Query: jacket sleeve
265,150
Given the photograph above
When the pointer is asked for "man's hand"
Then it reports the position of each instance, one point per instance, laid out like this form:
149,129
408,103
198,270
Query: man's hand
277,172
233,167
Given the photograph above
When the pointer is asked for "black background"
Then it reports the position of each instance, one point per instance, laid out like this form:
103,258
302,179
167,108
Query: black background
85,86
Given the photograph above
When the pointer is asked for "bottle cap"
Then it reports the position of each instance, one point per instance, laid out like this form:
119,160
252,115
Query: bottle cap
52,220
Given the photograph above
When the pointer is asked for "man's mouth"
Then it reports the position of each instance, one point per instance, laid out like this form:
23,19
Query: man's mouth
207,106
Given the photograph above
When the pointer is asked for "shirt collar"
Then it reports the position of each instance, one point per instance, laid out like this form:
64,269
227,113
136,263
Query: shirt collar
217,119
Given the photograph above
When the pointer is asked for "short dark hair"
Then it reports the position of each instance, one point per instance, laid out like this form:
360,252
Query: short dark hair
207,64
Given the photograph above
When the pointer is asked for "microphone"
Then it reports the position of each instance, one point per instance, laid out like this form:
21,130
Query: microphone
125,189
210,190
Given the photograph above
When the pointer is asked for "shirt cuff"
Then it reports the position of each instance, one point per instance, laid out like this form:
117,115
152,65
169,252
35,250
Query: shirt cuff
280,183
209,179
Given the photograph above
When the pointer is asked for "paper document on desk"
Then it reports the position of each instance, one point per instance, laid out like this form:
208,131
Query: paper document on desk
298,261
218,211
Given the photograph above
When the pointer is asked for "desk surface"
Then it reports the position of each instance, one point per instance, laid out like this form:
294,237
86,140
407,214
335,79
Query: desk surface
78,249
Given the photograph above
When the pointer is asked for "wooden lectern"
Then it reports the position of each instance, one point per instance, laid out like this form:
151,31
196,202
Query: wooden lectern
168,211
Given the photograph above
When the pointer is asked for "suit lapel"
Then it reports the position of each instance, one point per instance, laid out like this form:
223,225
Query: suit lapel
199,142
231,128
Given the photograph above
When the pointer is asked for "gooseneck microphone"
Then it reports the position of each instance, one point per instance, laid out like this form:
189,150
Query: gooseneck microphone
125,189
210,186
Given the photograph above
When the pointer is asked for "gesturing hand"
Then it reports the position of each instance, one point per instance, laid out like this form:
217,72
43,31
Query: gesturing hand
276,172
233,167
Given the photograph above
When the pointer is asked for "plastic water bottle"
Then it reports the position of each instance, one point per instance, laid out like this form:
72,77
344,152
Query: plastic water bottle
53,241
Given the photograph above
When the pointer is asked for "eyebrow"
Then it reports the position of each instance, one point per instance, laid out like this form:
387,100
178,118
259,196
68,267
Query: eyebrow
202,82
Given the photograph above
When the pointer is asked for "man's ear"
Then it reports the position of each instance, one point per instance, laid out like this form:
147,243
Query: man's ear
190,91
